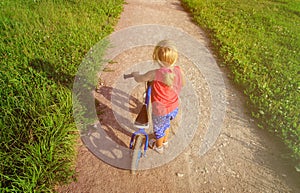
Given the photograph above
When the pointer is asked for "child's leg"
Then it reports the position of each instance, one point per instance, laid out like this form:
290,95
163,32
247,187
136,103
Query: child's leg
159,142
160,122
170,117
165,138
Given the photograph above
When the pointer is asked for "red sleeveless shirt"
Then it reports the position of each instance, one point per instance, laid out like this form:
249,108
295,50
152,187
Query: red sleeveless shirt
164,94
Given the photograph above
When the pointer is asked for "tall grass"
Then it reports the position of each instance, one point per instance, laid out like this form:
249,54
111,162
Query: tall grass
260,43
43,43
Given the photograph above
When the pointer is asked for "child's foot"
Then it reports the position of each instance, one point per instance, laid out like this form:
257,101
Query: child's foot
159,150
166,144
152,145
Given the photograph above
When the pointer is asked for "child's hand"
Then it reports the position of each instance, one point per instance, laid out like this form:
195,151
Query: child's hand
149,76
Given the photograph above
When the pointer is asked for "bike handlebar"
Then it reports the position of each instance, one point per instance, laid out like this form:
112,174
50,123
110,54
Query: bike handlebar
127,76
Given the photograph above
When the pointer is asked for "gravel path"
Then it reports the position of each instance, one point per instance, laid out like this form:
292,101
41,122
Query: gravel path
235,156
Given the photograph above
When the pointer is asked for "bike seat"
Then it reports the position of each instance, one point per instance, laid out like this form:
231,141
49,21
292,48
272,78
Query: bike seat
142,119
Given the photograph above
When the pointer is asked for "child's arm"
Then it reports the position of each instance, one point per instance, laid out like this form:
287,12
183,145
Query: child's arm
148,76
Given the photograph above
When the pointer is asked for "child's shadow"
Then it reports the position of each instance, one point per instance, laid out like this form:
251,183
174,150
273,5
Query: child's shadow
107,116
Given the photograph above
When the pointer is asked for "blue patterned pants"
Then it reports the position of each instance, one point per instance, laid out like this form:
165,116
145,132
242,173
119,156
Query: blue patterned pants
162,123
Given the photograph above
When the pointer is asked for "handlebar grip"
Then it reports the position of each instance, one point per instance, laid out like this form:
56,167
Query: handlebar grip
128,76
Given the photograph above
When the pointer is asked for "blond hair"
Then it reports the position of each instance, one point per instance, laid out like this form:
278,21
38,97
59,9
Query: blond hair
166,54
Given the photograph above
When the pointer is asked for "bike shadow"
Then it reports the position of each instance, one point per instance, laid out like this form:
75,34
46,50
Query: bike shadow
110,106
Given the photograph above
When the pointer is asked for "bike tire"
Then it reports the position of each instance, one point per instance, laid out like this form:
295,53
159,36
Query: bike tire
137,153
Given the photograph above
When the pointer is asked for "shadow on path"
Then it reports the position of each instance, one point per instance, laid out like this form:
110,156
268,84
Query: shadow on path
107,116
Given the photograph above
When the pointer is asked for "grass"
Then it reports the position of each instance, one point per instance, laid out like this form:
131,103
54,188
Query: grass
43,44
259,41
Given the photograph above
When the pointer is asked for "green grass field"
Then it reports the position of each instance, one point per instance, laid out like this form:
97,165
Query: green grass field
259,41
43,43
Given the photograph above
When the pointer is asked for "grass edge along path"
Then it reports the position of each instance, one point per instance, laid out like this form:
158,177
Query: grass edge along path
43,44
259,41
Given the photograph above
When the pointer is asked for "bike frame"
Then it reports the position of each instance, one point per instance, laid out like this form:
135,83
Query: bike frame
141,130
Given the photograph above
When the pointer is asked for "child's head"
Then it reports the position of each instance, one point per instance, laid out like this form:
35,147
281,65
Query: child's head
165,53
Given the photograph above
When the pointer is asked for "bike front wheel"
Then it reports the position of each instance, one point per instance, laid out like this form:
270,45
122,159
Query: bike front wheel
137,153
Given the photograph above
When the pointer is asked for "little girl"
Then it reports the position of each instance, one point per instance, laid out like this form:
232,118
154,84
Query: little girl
166,85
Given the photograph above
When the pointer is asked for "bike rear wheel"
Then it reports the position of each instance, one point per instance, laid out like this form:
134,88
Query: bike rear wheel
137,153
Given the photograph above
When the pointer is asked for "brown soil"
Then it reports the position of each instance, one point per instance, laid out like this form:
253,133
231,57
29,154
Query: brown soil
243,159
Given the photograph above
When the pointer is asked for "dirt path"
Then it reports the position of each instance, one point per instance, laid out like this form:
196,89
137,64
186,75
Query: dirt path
243,159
